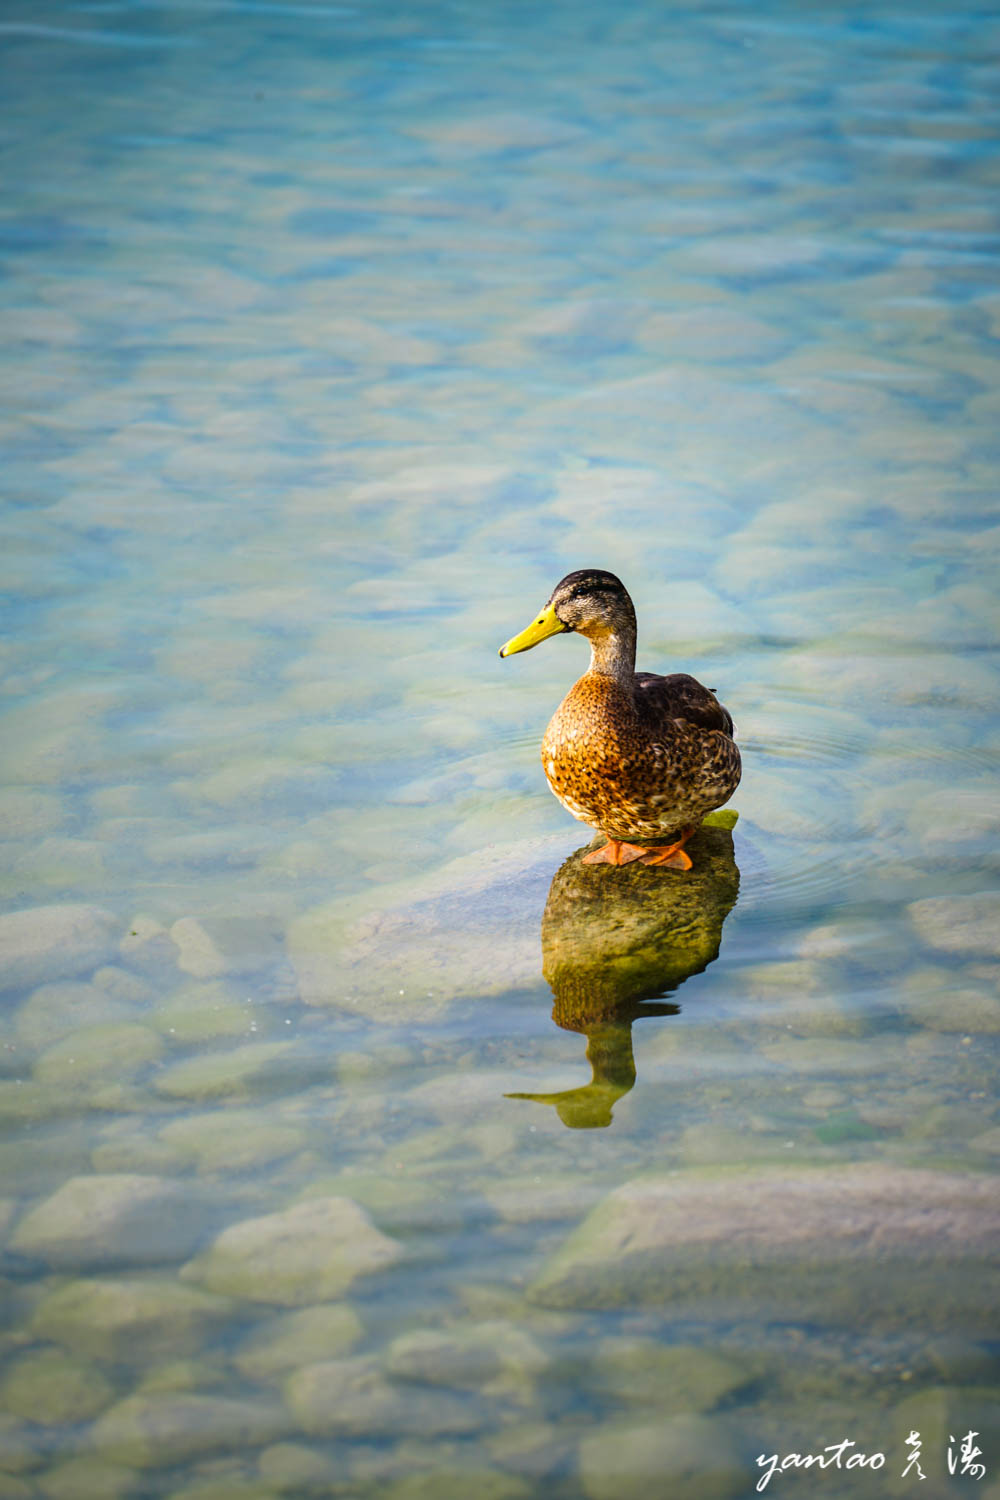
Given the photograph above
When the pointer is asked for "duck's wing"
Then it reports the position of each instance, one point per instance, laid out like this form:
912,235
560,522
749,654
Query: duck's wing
680,696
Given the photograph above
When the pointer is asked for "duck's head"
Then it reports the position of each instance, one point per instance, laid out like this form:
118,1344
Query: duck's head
590,601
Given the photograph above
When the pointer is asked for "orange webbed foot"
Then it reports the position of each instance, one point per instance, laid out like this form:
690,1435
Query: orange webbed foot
614,852
670,856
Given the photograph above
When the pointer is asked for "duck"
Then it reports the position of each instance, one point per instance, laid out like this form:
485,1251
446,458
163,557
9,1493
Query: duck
640,758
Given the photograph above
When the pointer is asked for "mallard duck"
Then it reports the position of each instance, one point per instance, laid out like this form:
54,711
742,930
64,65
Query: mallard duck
639,757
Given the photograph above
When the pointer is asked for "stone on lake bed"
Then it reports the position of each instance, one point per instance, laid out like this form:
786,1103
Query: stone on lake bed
294,1339
42,943
218,1075
960,924
87,1478
55,1388
841,1243
17,1445
352,1398
685,1457
458,1484
111,1219
468,929
228,1140
208,947
161,1429
298,1468
203,1011
115,1050
674,1377
311,1252
130,1317
52,1011
496,1358
148,946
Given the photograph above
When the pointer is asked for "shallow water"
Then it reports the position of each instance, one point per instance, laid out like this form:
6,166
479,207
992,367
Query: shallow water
334,336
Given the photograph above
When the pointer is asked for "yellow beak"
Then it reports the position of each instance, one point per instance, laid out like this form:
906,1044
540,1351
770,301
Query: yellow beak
548,623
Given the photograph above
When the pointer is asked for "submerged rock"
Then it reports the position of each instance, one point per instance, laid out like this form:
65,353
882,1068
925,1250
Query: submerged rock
162,1429
112,1051
233,1139
17,1445
297,1468
118,1319
206,1011
54,1010
353,1398
471,928
673,1377
209,947
309,1253
685,1457
300,1338
447,1483
865,1241
148,946
221,1075
51,1386
88,1478
112,1219
42,943
960,924
495,1358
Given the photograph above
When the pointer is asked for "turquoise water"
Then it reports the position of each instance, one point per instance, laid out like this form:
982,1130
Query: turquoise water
356,1140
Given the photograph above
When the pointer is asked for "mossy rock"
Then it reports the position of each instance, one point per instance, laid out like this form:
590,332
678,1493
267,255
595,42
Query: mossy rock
238,1073
110,1051
160,1430
133,1317
685,1457
294,1339
311,1252
203,1012
54,1388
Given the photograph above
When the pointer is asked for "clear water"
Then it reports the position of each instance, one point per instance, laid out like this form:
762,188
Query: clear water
333,336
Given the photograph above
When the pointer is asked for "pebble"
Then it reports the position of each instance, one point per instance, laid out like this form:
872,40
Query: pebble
290,1340
43,943
109,1220
55,1388
967,925
233,1074
309,1253
687,1457
163,1429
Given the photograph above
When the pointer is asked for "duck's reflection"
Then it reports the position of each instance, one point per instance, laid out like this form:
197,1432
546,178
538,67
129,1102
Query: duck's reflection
614,941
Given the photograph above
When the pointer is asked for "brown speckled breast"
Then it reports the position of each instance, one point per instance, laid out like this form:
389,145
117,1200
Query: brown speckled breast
630,765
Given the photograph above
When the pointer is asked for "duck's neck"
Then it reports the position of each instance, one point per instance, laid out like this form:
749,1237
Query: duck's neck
612,654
